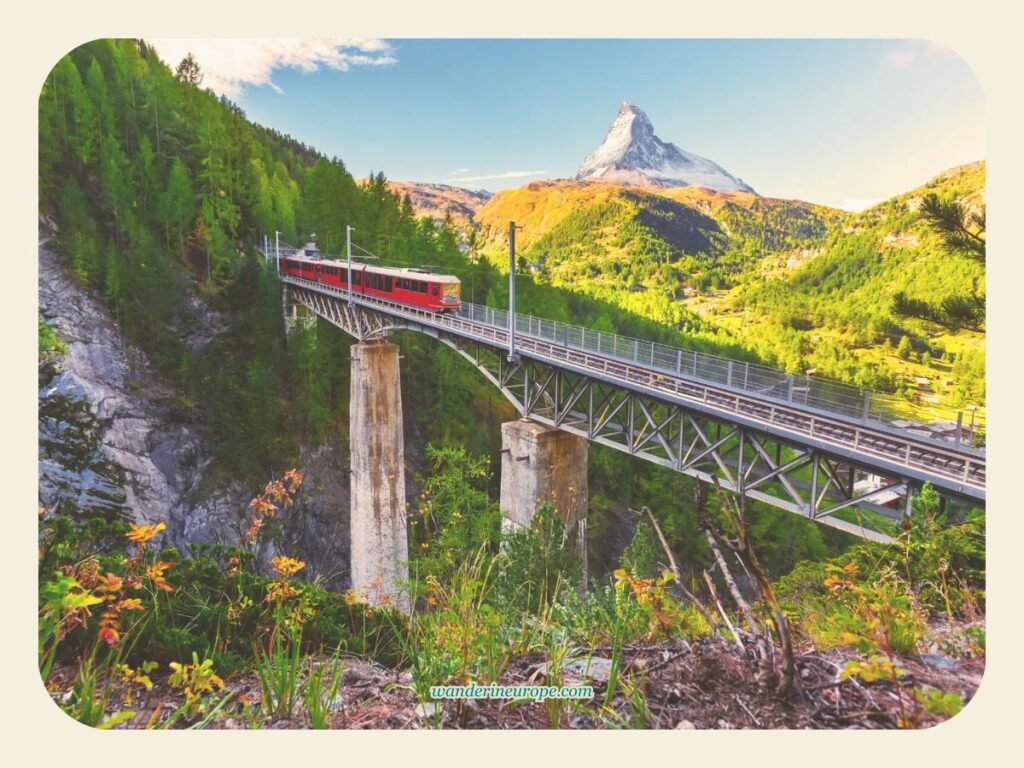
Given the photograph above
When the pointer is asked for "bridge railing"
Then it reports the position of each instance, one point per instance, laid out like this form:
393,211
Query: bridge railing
821,394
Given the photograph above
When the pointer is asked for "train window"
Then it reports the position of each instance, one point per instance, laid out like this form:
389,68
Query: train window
357,279
387,283
423,286
433,290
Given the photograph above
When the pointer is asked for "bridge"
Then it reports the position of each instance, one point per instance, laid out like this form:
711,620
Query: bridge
816,448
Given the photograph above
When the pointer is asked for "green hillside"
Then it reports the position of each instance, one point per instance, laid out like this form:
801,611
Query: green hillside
796,285
835,311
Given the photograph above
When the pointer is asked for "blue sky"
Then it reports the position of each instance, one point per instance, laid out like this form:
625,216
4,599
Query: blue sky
840,122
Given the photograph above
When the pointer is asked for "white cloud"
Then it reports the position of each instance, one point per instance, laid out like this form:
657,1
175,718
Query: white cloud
229,65
505,175
900,59
459,171
858,204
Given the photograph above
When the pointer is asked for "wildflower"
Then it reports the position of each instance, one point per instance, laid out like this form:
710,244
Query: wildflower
293,477
109,635
287,566
155,573
262,506
109,584
351,597
279,591
142,534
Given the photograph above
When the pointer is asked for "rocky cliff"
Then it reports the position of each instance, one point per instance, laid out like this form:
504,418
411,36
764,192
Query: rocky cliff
112,444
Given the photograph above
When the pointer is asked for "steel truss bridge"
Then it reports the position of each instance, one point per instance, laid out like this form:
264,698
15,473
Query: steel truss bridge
791,455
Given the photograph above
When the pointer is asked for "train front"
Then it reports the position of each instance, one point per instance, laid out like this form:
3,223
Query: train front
451,299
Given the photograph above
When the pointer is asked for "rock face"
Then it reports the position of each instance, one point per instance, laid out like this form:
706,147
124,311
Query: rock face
110,445
632,154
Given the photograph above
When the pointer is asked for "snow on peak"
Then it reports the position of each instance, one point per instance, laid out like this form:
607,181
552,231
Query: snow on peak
632,154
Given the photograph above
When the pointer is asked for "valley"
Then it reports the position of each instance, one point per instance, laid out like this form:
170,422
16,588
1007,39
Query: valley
195,488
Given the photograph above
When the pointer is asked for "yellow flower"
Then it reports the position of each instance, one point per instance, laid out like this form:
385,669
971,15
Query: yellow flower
142,534
155,573
287,566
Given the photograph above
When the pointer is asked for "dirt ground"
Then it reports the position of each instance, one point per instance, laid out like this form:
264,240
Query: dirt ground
709,684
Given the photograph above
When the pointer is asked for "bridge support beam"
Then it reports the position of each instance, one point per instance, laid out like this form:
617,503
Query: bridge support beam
380,548
544,465
296,314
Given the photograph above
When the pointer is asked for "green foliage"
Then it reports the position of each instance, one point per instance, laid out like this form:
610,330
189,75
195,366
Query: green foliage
962,231
539,565
50,344
460,636
904,349
198,682
455,514
933,568
279,671
640,558
320,691
939,703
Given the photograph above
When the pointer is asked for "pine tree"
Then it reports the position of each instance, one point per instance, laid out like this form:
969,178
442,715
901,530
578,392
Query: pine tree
188,71
962,231
177,204
904,349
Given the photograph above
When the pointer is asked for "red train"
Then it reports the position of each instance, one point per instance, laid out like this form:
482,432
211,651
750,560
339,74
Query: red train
415,287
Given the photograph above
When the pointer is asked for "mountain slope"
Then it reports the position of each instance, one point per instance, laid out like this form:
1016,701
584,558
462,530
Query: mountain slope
632,154
582,224
441,200
835,308
803,286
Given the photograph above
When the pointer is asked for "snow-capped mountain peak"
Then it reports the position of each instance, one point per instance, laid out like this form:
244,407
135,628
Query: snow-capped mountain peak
632,154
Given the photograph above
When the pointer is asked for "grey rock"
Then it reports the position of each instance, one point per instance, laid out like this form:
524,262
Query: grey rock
428,710
939,662
596,669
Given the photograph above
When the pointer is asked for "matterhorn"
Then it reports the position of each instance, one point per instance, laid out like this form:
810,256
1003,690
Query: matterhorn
632,154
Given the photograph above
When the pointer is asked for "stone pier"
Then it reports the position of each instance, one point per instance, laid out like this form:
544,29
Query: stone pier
379,541
544,465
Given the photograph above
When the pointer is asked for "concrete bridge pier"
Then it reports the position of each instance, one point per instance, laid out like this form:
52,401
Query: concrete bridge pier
544,465
380,548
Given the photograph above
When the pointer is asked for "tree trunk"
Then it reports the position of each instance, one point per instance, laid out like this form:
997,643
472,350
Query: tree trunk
680,586
734,590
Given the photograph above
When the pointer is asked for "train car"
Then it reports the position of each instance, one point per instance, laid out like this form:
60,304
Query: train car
414,287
